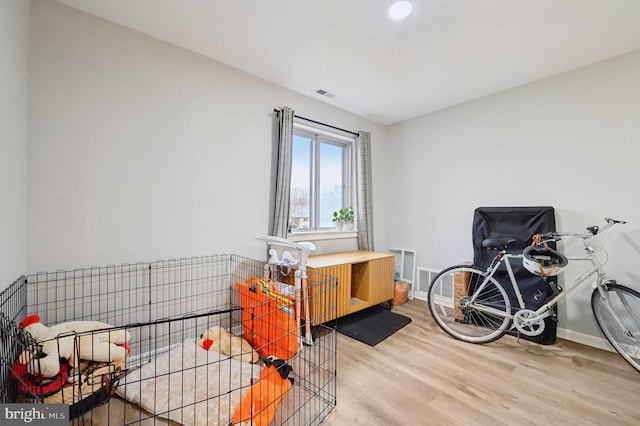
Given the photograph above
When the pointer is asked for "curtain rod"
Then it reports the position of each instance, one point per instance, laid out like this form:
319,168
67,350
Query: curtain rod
318,122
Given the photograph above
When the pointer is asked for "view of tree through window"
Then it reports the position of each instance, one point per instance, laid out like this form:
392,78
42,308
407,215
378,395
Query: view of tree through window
320,180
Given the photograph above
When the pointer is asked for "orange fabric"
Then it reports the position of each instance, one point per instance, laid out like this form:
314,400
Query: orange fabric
259,404
269,322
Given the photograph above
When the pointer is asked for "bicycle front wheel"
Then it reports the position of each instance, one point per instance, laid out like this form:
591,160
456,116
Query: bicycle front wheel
467,307
617,312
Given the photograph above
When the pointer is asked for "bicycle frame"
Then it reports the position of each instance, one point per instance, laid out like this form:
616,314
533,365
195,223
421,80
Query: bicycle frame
471,304
546,310
543,311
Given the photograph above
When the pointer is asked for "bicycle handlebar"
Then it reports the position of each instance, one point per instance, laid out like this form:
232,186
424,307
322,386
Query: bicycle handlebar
591,230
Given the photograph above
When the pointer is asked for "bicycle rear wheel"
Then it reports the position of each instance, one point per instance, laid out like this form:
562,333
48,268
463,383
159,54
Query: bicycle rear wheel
481,321
617,313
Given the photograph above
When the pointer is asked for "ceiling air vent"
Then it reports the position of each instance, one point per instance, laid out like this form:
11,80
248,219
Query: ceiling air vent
325,93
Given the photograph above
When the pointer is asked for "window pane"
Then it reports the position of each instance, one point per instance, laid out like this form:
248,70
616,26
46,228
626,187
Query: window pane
300,198
331,182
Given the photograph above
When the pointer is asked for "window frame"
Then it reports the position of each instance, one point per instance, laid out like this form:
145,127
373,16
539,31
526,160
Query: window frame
319,135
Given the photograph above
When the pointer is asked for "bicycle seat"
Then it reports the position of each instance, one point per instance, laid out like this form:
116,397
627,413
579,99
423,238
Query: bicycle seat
497,243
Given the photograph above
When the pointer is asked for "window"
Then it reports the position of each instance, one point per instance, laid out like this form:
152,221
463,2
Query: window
321,177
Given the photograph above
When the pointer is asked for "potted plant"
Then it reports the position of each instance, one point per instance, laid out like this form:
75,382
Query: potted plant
337,220
343,218
348,218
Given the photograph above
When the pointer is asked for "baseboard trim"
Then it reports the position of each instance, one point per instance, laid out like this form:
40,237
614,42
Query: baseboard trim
584,339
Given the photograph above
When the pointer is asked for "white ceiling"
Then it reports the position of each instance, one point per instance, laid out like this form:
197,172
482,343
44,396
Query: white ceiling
445,53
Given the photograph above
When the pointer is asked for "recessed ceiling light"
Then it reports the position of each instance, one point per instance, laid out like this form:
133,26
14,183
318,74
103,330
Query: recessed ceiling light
400,10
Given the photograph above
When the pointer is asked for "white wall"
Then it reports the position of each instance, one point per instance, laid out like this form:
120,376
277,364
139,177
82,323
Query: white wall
570,141
139,150
14,30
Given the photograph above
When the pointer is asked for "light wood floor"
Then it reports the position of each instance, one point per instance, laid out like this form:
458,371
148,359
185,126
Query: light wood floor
421,376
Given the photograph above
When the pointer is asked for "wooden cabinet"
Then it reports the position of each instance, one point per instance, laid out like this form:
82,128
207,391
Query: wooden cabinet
365,279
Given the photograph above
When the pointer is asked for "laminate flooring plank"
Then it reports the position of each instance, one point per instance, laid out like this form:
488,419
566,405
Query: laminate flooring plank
422,376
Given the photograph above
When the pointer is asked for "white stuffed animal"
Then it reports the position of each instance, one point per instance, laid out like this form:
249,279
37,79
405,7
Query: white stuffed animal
217,339
73,341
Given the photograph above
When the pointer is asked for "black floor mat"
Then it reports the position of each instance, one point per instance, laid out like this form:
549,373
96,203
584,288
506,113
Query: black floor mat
371,325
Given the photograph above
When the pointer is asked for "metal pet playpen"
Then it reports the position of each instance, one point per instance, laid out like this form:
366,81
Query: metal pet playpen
169,375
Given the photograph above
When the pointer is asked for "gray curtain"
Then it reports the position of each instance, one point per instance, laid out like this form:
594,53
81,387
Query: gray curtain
283,173
364,203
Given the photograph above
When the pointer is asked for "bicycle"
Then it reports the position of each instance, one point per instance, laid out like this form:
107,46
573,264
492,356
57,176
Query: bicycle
471,305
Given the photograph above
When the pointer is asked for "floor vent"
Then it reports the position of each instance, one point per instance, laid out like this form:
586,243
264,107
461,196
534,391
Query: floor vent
425,276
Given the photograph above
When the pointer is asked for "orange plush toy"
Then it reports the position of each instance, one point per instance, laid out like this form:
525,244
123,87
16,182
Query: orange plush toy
259,404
